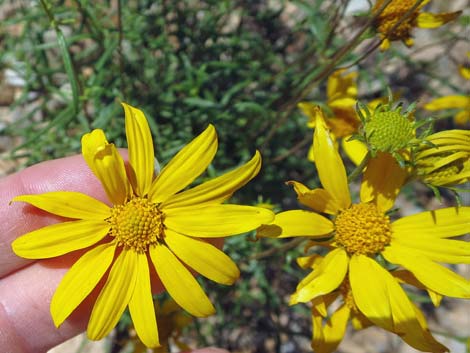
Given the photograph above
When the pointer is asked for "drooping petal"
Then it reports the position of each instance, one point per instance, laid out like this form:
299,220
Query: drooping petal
186,166
203,257
382,181
355,149
59,239
140,144
326,338
318,199
442,223
114,296
68,204
297,223
324,279
408,277
180,283
434,276
448,102
218,189
434,20
141,305
437,249
80,280
330,167
216,220
106,163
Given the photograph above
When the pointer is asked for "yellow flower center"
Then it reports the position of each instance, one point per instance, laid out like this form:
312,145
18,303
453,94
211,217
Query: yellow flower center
392,14
388,131
363,229
137,224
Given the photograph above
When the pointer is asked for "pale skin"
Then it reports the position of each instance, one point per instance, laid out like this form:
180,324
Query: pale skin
27,286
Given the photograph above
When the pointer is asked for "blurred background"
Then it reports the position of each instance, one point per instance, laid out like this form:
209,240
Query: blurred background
242,66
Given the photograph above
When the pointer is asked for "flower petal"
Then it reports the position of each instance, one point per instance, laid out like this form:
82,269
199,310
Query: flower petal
297,223
448,102
68,204
318,199
140,143
355,149
326,338
434,20
59,239
114,296
80,280
218,189
141,305
186,166
330,167
106,163
216,220
442,223
203,257
324,279
180,283
382,181
434,276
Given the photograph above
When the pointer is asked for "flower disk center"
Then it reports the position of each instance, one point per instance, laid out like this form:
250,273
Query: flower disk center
392,14
363,229
137,224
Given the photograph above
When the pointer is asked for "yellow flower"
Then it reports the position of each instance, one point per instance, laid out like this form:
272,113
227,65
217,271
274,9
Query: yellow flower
445,160
394,13
344,122
152,220
359,232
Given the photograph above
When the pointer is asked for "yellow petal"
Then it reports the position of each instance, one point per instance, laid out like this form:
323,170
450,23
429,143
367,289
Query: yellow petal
59,239
332,332
462,118
385,44
114,296
106,163
68,204
218,189
330,167
355,150
203,257
434,20
340,84
186,166
382,181
319,199
437,249
216,220
324,279
464,72
180,283
407,277
436,277
448,102
309,109
141,305
442,223
80,280
140,143
297,223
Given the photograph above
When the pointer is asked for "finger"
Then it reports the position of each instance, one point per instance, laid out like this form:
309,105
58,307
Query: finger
66,174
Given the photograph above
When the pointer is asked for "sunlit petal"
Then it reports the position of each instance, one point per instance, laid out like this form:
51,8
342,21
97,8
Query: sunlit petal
448,102
68,204
434,20
218,189
114,296
141,305
80,280
355,149
186,166
140,144
59,239
180,283
216,220
297,223
332,333
203,257
318,199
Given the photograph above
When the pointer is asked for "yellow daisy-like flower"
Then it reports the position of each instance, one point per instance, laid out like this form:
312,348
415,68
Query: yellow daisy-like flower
359,232
445,161
344,121
152,220
395,12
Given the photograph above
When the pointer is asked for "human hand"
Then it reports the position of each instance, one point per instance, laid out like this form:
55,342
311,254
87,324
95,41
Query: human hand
26,286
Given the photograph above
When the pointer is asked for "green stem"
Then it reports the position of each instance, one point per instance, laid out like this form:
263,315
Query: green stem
355,173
